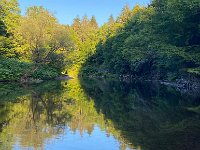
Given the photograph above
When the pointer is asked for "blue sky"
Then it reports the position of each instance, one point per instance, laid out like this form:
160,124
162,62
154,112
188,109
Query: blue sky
67,10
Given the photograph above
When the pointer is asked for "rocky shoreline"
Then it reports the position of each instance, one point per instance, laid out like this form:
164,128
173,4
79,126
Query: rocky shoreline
189,86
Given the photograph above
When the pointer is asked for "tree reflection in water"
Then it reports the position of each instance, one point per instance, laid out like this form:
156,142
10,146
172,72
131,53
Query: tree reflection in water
139,115
150,115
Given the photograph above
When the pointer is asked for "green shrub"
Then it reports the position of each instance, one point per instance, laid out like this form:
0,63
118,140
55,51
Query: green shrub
13,70
46,73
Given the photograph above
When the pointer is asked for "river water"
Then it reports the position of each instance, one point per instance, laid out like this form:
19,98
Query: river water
98,115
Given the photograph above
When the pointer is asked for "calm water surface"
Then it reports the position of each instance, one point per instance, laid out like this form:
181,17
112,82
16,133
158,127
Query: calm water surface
98,115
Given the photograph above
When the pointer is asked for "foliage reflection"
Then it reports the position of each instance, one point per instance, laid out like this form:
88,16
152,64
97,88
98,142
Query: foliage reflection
139,115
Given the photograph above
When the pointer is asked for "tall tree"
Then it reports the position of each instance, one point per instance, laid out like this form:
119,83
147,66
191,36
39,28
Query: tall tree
111,20
125,15
85,21
43,35
93,23
76,25
10,14
9,20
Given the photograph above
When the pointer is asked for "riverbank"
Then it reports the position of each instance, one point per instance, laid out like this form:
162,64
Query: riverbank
37,81
190,86
13,70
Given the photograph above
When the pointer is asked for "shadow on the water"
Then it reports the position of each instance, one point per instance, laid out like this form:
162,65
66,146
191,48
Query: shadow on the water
149,115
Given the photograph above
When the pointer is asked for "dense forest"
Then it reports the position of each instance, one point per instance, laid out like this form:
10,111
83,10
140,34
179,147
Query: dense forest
159,41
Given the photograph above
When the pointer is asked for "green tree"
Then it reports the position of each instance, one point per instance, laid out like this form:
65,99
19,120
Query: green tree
76,25
125,15
85,21
10,14
9,20
111,20
43,35
93,22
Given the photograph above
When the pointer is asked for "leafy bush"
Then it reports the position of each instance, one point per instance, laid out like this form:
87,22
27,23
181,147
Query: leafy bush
45,72
13,70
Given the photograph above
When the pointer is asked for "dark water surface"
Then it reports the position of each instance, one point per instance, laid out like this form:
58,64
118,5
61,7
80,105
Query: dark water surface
98,115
